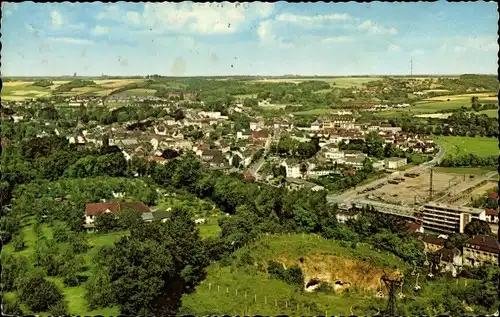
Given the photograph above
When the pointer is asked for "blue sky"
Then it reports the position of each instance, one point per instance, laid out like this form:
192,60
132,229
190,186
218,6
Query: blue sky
255,38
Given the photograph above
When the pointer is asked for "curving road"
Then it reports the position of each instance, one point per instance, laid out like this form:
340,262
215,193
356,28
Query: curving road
353,193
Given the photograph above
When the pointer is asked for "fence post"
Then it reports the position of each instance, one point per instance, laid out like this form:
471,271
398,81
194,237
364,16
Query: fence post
286,304
218,287
227,290
255,298
265,300
275,302
209,286
245,295
236,292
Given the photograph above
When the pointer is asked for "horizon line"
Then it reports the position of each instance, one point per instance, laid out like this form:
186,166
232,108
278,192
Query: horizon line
283,75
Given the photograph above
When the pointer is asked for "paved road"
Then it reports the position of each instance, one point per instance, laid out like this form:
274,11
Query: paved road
254,168
351,194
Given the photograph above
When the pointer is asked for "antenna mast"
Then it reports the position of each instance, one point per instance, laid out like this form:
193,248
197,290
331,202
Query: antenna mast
411,66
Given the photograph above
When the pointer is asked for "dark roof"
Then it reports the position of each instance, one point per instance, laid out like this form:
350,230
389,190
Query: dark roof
483,243
159,215
431,239
493,195
491,212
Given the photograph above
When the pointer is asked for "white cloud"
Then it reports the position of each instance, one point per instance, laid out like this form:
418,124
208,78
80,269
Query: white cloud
202,18
265,31
394,48
337,39
99,30
9,7
57,20
374,28
134,17
111,12
309,20
71,40
469,43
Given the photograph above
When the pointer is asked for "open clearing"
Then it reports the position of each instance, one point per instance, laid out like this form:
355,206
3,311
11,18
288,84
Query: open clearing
116,83
459,145
314,112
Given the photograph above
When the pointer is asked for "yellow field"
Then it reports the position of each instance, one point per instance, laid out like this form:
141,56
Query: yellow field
17,83
116,83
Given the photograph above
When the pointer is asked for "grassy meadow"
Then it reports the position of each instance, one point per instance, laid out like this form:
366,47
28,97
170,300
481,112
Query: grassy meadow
459,145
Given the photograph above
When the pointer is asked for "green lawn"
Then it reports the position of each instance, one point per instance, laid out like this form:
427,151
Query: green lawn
210,228
140,92
458,145
490,113
465,170
314,112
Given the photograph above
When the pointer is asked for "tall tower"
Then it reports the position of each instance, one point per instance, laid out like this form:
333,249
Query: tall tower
411,66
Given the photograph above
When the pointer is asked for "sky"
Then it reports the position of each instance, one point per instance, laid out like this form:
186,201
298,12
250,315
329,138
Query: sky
203,39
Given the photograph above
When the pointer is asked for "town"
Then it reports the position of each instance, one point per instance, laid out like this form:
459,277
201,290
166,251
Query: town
246,194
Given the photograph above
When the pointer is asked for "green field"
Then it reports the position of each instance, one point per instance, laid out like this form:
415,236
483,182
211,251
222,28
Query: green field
458,145
246,289
339,82
140,92
478,171
493,113
314,112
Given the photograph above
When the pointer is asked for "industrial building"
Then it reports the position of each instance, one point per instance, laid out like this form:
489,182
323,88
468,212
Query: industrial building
449,218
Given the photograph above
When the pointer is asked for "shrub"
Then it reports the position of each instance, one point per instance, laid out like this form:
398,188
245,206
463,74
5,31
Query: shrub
324,287
18,242
39,294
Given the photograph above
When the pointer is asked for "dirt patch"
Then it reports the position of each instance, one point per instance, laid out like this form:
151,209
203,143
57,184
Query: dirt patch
340,273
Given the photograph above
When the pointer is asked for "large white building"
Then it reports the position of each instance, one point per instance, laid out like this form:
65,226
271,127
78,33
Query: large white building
449,218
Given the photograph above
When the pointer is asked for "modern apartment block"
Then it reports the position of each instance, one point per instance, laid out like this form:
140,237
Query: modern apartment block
449,218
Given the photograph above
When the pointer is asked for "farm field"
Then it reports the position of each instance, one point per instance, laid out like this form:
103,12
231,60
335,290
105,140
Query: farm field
458,145
340,82
314,112
478,171
490,113
140,92
21,90
490,96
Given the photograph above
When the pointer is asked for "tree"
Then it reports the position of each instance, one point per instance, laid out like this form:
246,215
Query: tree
477,227
177,114
169,154
9,226
456,240
39,294
14,269
106,222
99,291
128,218
18,242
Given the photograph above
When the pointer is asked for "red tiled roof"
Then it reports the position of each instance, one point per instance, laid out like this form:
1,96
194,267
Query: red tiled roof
114,207
483,243
97,208
493,195
491,212
413,226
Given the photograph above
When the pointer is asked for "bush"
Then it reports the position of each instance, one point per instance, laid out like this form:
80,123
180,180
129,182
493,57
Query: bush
324,287
59,309
11,306
295,276
18,242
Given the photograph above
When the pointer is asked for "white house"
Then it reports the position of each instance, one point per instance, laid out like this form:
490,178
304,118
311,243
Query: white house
395,162
292,168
